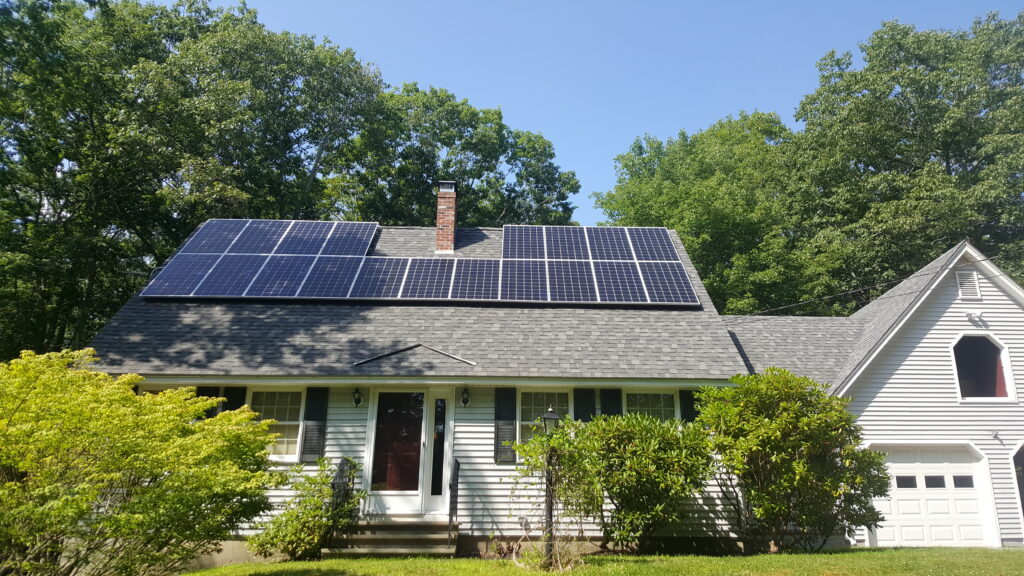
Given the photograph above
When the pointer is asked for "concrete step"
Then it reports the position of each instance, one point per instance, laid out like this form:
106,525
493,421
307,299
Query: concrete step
446,551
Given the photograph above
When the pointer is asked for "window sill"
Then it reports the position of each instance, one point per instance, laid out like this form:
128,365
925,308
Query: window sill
982,400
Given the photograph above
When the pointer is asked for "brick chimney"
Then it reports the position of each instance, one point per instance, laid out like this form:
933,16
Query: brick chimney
446,217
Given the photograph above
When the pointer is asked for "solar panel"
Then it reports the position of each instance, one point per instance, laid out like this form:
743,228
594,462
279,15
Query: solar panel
619,282
380,278
304,259
571,281
475,279
652,244
566,243
330,277
522,242
668,282
231,275
259,237
214,237
524,280
281,276
304,238
181,275
428,278
350,239
607,243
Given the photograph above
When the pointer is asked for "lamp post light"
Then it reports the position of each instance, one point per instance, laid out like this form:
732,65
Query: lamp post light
551,421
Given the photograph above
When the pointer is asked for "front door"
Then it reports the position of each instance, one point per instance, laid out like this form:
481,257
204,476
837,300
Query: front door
407,458
397,454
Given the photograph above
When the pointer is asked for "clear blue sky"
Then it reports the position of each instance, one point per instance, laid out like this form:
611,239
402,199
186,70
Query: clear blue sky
592,76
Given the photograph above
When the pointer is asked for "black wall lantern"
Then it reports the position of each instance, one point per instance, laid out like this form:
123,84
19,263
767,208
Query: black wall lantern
465,397
357,397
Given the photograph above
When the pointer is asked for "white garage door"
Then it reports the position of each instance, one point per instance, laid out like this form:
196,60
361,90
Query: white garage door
934,499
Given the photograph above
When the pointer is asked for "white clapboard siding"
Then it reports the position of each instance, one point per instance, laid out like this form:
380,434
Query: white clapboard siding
909,393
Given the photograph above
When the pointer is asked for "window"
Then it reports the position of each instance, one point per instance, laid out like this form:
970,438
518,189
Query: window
286,408
661,406
979,368
934,481
963,481
533,405
906,482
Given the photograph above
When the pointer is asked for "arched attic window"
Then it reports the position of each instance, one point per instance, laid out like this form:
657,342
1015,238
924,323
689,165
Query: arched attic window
979,368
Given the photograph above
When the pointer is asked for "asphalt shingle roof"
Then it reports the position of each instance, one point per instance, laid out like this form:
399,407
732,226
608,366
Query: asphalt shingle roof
243,338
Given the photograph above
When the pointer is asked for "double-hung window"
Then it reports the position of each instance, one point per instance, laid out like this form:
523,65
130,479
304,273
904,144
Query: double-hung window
286,408
533,405
658,405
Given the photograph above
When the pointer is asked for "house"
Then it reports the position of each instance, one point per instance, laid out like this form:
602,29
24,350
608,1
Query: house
411,386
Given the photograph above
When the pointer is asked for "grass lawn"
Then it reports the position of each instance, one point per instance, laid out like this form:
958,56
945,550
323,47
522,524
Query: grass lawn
937,562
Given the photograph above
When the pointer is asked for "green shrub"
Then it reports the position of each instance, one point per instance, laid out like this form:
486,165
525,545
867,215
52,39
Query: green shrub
97,480
643,468
310,516
797,471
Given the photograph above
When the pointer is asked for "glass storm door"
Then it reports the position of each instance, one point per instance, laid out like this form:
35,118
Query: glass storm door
396,468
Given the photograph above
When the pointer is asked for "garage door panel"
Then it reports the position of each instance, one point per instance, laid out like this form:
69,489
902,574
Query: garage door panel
908,507
938,507
941,534
911,535
967,506
972,535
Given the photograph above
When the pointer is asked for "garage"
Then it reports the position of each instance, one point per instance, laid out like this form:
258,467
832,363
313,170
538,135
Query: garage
938,498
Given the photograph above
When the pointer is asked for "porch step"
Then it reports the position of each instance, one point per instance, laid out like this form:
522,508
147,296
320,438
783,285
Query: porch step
396,539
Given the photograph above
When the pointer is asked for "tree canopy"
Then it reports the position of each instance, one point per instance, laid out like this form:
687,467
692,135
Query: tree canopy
124,125
899,159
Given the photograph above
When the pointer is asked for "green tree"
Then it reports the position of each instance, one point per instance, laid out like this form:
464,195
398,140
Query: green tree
95,479
632,473
124,125
899,159
916,150
424,136
796,471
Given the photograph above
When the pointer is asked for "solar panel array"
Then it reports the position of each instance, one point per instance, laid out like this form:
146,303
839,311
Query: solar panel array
287,259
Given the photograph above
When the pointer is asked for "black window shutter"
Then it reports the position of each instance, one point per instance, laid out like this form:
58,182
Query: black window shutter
234,397
688,405
611,401
584,404
504,424
209,392
314,425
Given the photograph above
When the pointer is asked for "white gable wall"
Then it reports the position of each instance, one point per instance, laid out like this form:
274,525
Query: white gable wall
908,394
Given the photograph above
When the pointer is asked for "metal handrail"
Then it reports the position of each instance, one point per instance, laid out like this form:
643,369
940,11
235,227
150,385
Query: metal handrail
453,498
342,488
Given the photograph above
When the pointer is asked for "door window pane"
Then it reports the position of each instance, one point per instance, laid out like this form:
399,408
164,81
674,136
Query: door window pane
396,445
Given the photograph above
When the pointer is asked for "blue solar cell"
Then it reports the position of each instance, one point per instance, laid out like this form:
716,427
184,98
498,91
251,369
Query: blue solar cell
259,237
619,282
608,243
350,239
524,280
181,275
304,238
231,275
380,278
566,243
330,277
668,282
428,278
522,242
476,280
281,276
214,236
571,281
652,244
